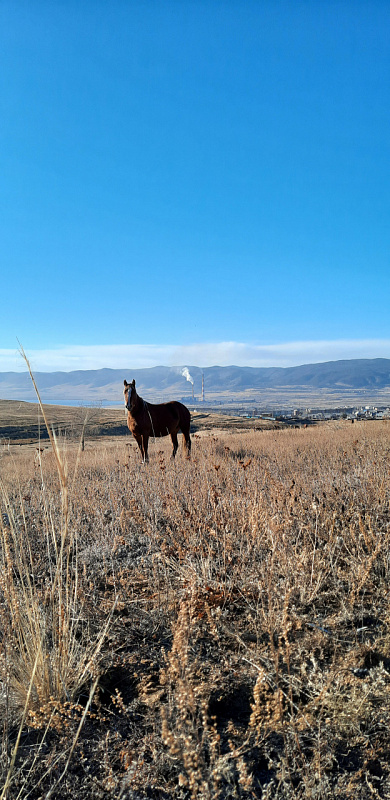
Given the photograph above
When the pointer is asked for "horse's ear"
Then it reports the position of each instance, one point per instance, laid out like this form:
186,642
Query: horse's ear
133,384
125,382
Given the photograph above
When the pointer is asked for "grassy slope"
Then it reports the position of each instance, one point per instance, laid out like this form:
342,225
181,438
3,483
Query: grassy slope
249,648
22,422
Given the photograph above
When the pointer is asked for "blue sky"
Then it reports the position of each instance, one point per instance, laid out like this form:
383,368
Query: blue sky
203,182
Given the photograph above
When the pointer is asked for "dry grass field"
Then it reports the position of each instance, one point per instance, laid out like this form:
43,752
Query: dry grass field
209,628
23,423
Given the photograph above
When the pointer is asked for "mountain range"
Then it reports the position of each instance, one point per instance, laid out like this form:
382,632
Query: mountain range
160,383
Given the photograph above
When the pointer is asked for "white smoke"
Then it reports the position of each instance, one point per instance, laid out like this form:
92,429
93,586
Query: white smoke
185,373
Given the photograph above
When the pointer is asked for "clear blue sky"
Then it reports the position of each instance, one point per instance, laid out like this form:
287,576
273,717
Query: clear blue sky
179,173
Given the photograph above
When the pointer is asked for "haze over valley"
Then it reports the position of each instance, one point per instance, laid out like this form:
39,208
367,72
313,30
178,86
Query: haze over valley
332,383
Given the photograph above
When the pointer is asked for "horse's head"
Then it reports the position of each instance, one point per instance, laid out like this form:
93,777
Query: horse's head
130,394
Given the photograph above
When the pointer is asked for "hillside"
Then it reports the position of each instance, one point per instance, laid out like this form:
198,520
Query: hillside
220,622
105,385
22,423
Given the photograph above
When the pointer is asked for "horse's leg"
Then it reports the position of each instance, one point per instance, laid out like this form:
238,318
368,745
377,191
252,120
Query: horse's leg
175,443
138,439
145,440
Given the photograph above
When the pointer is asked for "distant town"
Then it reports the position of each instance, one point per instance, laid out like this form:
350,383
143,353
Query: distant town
299,415
317,414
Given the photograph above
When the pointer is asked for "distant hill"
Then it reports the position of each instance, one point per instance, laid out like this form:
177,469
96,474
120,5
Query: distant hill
159,383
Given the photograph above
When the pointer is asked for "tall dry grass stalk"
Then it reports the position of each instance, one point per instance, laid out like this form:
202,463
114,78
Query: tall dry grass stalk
49,655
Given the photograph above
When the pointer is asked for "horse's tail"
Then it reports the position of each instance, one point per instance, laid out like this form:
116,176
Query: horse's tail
185,426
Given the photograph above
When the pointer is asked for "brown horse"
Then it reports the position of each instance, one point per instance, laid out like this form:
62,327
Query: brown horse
147,419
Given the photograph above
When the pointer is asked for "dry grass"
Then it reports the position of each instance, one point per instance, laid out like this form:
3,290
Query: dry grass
22,423
211,628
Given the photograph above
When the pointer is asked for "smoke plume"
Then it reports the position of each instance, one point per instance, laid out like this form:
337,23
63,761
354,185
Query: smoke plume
185,373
